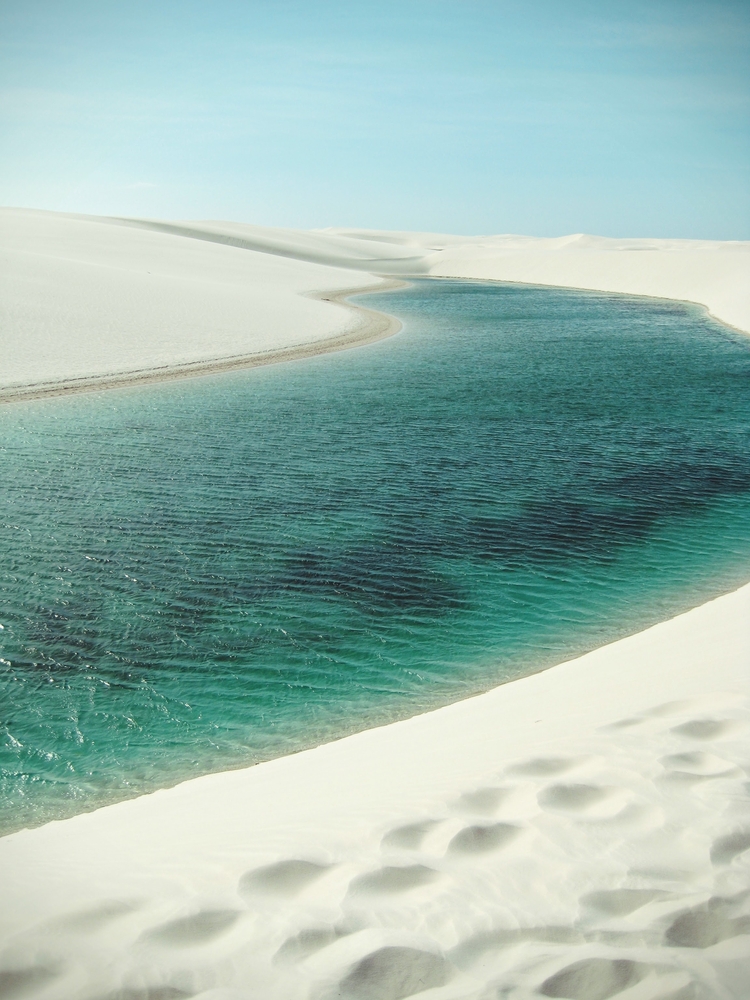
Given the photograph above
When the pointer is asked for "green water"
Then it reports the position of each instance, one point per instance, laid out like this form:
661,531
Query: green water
207,573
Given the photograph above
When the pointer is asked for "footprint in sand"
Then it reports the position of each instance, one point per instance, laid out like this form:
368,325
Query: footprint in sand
199,928
657,712
483,801
85,921
545,766
697,763
392,880
284,878
707,729
589,801
410,836
725,849
594,979
668,708
695,767
708,924
628,723
24,981
481,839
392,973
300,946
621,902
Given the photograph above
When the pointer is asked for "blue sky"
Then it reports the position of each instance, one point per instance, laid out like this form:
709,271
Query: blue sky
543,117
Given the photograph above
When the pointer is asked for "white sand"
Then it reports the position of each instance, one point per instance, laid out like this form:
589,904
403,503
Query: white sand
582,833
83,298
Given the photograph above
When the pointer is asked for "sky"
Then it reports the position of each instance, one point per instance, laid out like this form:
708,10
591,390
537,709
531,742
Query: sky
543,117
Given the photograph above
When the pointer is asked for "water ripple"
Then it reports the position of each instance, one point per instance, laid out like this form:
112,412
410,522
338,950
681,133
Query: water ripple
205,574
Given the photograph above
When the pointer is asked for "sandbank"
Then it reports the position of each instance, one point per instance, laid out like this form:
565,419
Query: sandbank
87,303
583,832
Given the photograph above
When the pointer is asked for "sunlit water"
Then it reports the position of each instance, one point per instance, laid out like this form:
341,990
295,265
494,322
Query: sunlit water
207,573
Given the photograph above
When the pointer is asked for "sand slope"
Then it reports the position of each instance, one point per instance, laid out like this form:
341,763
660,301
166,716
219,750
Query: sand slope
88,298
582,833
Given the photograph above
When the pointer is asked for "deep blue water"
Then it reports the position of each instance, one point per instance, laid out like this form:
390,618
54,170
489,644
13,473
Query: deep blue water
207,573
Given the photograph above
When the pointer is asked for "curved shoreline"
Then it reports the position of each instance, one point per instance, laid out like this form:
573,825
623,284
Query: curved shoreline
593,290
372,326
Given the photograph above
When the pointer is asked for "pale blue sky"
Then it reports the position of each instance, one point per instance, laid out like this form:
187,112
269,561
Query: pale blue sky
618,117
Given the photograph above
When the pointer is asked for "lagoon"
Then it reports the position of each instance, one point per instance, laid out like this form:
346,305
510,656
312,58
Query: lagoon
208,573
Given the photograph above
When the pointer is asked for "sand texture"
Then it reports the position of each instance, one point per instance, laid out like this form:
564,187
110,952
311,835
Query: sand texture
86,302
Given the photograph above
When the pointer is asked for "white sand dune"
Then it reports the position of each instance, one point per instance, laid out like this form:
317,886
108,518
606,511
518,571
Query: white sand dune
88,301
583,833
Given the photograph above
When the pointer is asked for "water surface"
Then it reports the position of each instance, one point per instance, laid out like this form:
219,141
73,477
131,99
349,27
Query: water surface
207,573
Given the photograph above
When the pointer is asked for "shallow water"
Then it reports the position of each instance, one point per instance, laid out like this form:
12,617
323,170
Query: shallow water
207,573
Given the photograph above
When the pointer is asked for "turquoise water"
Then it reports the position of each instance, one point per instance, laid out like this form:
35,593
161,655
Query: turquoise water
207,573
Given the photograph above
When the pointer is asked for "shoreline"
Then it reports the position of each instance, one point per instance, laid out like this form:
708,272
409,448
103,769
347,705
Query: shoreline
744,330
372,326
